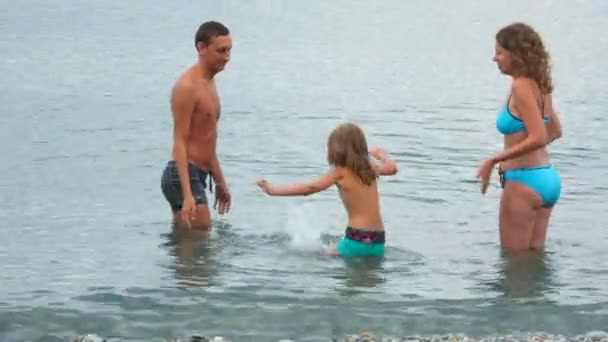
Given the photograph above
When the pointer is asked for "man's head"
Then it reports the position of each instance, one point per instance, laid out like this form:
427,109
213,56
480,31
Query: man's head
213,43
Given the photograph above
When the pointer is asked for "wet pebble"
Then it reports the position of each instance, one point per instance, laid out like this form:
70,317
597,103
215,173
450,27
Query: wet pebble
89,338
366,336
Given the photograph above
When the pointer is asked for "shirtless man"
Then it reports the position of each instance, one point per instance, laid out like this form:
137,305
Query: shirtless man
195,106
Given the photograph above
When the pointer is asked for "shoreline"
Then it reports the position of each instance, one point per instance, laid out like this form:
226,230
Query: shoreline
591,336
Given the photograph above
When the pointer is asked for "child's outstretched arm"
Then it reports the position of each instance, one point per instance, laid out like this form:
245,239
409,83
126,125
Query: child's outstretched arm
387,166
301,189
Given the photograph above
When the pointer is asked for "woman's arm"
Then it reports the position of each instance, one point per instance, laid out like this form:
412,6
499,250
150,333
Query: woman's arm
554,126
527,106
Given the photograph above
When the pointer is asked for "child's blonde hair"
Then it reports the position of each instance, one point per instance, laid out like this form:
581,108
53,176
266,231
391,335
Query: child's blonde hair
347,147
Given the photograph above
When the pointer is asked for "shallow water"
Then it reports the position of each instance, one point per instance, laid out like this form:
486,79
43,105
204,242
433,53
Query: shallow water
86,131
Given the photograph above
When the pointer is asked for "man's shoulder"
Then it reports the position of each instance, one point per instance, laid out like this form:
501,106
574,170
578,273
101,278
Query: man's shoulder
183,87
184,81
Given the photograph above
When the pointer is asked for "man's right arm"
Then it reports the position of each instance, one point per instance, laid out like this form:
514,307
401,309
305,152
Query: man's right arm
182,105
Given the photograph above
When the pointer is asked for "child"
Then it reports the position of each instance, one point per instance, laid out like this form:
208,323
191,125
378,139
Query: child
355,176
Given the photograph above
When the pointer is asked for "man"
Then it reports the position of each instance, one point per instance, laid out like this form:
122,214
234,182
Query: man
196,111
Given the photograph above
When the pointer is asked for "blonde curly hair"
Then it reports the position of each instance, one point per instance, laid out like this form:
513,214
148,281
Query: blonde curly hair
529,58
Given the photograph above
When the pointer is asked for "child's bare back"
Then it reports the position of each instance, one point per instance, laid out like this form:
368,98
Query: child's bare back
360,201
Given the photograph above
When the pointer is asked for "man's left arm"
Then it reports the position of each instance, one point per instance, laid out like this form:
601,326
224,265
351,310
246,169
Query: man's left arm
216,170
222,194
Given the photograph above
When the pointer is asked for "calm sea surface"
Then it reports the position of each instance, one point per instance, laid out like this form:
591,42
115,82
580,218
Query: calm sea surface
85,129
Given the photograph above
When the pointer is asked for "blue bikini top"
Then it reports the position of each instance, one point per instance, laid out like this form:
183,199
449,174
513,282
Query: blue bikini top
507,123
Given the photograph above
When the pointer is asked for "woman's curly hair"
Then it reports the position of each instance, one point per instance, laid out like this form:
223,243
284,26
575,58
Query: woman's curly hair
529,58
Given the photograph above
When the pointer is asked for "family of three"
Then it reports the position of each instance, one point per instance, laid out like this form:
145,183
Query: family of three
531,184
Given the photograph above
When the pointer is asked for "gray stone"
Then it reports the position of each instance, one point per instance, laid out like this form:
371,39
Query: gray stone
89,338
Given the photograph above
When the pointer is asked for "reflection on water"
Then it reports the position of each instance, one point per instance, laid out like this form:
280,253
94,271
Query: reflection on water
195,254
525,274
359,273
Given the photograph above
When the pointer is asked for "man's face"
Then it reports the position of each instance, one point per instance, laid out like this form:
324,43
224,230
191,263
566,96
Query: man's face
217,53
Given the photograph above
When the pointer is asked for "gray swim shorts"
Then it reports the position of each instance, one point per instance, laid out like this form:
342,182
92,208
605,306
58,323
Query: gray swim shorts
172,189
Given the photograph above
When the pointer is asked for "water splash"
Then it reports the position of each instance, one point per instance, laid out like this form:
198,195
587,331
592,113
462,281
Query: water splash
305,227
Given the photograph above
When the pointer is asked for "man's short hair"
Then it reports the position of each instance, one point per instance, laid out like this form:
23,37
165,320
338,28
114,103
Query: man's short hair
209,30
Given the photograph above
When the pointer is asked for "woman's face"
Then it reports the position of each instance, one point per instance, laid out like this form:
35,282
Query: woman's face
502,57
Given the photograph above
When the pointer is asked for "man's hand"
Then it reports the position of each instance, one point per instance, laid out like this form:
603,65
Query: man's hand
188,211
222,198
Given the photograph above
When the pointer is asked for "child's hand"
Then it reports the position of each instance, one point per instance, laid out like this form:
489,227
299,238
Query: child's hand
378,153
386,166
263,184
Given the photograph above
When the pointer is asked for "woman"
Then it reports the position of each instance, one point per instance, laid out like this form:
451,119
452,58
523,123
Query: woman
531,185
